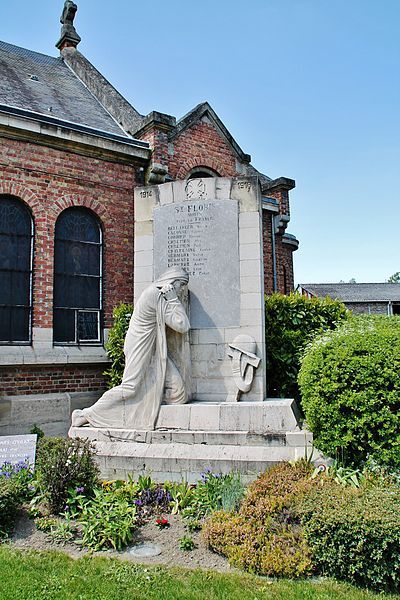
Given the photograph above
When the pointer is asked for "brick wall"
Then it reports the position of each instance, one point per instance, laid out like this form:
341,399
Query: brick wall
49,181
28,379
201,146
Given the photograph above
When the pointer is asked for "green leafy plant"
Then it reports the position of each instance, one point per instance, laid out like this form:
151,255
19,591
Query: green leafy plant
63,532
115,344
107,521
182,495
213,492
45,523
11,498
290,323
354,532
63,465
186,543
350,385
35,430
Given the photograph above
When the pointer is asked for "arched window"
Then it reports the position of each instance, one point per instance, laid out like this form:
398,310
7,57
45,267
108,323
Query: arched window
77,277
16,235
201,172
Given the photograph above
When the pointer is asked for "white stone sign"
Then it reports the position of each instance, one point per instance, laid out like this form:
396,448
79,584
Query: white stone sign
16,448
202,237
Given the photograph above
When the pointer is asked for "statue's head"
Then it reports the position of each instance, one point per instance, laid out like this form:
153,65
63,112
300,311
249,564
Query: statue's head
175,276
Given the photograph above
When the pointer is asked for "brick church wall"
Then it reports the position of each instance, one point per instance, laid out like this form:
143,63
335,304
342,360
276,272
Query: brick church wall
30,379
50,180
201,146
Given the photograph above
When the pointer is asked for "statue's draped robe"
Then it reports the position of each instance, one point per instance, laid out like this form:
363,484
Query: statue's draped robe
136,402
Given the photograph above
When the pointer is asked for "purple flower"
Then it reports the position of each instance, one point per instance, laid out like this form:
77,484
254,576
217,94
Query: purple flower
138,502
80,489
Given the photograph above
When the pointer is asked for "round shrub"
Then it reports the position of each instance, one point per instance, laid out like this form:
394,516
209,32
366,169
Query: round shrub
354,533
290,323
264,536
350,386
62,465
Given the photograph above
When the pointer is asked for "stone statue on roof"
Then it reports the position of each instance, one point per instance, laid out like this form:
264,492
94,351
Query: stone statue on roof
68,31
68,14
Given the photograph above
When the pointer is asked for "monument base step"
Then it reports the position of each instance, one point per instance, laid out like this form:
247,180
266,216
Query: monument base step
183,455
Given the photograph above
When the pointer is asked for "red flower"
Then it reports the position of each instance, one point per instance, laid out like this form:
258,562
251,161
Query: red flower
161,523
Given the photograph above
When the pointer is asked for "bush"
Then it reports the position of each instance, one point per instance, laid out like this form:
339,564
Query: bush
115,344
62,465
354,533
11,496
290,323
265,536
350,386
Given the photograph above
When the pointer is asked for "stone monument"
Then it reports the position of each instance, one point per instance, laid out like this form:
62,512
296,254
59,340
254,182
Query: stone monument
210,230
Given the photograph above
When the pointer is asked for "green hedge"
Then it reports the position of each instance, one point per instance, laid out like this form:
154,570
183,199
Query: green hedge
290,323
115,344
354,533
350,386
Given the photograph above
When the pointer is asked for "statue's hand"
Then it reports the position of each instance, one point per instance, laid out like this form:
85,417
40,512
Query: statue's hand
168,291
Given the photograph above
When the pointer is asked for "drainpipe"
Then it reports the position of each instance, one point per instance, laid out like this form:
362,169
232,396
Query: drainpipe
274,276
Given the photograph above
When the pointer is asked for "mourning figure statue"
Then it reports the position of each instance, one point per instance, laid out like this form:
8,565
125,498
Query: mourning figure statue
150,376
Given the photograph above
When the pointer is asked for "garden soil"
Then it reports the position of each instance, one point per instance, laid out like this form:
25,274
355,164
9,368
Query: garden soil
27,537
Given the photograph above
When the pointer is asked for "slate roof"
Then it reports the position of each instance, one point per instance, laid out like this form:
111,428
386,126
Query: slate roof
355,292
56,87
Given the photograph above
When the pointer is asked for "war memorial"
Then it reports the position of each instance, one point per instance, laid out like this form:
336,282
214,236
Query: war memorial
193,390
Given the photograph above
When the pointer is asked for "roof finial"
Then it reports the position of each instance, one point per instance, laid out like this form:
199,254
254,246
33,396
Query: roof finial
69,37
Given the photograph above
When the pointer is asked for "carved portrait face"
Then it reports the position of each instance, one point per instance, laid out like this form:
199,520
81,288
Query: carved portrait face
178,285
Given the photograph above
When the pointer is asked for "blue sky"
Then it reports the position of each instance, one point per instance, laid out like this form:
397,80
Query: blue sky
309,88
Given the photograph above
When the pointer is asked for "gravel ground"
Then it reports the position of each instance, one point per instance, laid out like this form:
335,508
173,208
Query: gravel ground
27,537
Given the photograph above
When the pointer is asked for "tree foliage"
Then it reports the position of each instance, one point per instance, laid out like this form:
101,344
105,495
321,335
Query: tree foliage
115,344
290,323
395,278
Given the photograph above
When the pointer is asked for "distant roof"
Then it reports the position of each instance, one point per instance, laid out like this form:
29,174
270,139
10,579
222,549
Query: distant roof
355,292
46,85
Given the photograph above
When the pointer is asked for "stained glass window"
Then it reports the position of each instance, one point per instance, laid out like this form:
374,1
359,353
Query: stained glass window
16,235
77,277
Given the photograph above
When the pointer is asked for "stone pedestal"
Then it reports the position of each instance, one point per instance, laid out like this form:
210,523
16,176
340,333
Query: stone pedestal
246,437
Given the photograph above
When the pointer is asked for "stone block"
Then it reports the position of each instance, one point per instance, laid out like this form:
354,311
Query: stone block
143,229
251,301
210,336
204,418
144,209
143,242
223,188
250,268
251,318
166,194
246,191
143,274
250,235
144,258
250,284
250,251
249,219
171,418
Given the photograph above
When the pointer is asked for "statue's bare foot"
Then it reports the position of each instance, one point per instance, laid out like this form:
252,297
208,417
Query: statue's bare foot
78,419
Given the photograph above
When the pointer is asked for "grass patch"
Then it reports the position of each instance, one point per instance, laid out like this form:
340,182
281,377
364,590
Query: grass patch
55,576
